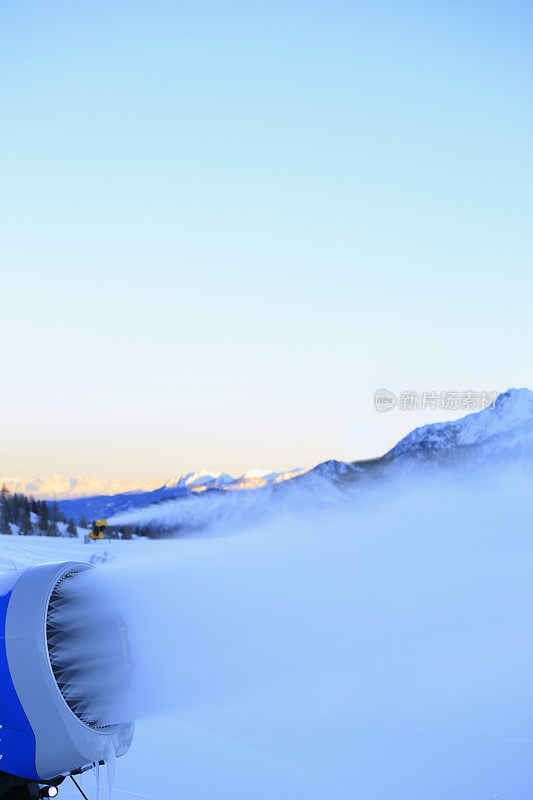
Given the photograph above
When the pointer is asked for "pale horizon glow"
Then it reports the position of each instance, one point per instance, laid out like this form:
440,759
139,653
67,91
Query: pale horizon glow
225,226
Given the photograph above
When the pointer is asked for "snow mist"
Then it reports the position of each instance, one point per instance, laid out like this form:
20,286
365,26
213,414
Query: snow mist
384,649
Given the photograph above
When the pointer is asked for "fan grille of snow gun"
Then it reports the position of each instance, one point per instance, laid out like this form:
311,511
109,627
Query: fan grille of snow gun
88,647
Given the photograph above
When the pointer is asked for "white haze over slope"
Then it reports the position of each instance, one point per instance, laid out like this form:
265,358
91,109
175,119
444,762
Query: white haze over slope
382,650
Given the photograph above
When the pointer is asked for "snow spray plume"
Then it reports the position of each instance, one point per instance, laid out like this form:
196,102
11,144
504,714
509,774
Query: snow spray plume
382,647
90,651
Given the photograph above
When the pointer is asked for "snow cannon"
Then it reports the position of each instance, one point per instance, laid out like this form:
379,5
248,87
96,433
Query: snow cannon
47,731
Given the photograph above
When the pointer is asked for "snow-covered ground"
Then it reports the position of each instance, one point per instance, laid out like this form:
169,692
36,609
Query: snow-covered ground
17,552
377,651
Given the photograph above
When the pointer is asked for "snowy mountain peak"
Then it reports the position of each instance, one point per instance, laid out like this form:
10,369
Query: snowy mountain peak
198,480
515,404
253,479
257,478
512,412
259,473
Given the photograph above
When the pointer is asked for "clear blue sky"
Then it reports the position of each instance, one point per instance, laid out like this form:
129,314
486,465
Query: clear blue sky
225,224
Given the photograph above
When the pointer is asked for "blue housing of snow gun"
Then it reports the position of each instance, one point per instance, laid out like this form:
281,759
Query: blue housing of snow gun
41,735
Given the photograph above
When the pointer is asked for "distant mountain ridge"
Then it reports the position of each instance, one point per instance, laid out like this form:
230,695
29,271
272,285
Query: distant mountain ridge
487,438
504,432
192,483
59,487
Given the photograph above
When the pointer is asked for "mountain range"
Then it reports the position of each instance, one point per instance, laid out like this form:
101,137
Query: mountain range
59,487
500,433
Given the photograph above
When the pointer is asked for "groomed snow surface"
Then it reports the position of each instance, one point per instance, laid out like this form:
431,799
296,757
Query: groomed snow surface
381,651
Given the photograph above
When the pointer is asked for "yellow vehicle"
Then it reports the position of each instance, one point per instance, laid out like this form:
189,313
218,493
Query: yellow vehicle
98,529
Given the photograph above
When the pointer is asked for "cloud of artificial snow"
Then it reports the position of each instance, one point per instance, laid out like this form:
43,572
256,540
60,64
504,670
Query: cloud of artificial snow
385,647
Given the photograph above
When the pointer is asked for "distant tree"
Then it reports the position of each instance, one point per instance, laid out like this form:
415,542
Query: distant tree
71,528
26,528
44,513
150,532
17,509
5,527
56,515
125,532
7,510
52,529
17,504
23,514
83,523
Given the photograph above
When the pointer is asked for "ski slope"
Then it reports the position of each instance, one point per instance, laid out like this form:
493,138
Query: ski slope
381,651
